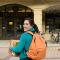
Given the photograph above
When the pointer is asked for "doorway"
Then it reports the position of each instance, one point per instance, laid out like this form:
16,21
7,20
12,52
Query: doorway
11,25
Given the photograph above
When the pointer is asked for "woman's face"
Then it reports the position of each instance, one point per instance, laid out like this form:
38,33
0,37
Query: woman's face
26,25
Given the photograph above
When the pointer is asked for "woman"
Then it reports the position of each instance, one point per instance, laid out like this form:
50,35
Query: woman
25,39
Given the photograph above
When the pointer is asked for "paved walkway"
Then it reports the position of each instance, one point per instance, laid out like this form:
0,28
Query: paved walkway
4,45
53,51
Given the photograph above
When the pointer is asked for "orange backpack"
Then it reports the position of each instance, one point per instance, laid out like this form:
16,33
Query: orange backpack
37,49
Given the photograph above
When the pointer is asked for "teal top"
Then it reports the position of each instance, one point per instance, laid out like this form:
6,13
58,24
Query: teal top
23,45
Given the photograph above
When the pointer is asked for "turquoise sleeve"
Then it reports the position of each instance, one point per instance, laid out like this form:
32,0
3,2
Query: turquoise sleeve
20,45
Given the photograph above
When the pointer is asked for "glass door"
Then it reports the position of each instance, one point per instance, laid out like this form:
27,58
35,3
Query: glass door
10,28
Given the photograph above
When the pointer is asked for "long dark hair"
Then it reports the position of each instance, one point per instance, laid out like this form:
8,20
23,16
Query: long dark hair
31,21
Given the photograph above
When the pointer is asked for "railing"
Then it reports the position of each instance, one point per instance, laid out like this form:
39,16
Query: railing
55,38
52,37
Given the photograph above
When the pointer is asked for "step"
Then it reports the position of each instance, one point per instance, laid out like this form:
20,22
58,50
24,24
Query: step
4,43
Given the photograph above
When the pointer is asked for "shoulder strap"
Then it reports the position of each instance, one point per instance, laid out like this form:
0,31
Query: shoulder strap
33,34
30,33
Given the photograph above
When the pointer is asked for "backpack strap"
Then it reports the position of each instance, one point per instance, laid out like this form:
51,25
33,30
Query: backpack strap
33,34
30,33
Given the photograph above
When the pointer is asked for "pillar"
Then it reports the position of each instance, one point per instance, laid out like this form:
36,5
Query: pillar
38,18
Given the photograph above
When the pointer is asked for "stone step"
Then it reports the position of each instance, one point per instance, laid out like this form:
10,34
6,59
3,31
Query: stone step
3,52
4,43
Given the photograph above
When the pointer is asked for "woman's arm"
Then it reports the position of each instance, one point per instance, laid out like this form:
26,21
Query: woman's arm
20,45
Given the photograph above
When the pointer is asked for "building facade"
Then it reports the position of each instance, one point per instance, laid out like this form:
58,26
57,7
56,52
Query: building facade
12,14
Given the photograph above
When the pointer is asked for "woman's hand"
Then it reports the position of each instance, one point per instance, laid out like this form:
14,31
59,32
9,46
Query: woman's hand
10,53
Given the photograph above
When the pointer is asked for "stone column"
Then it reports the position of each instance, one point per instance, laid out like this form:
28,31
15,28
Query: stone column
38,18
